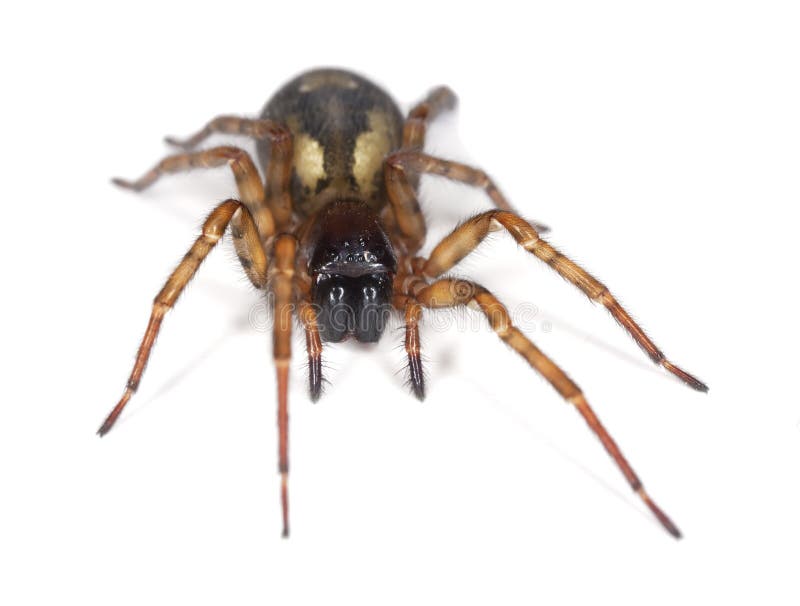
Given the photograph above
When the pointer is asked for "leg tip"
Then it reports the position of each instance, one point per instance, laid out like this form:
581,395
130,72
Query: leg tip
285,504
684,376
668,524
124,184
114,414
446,97
105,427
673,530
176,143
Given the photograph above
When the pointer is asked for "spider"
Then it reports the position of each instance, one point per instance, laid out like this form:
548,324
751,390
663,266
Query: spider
332,235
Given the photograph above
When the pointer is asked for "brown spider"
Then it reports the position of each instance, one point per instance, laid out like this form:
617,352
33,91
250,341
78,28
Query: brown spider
319,237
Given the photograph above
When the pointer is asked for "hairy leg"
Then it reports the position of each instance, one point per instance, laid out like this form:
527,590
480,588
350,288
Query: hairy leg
278,165
438,101
465,238
414,163
402,171
447,293
249,247
248,181
212,231
281,278
401,189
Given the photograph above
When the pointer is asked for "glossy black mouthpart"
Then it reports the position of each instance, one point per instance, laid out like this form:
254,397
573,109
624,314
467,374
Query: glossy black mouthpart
352,265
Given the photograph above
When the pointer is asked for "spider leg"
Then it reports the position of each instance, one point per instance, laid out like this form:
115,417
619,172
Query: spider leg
450,293
404,213
412,311
466,237
276,156
437,101
229,125
282,286
413,162
212,231
402,175
416,162
248,181
402,170
251,192
407,215
249,247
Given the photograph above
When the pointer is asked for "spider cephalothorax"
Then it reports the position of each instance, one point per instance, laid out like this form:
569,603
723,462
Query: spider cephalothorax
333,233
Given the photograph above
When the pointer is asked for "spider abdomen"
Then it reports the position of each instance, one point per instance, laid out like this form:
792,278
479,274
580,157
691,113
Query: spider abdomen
343,126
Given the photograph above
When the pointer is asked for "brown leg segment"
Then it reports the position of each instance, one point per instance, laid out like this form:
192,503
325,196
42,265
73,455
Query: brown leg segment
308,316
417,163
402,187
213,228
403,198
450,293
466,237
402,170
249,247
282,286
229,125
251,191
279,167
244,170
439,100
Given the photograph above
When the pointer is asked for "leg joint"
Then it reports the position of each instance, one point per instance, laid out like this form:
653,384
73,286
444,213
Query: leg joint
160,308
396,161
275,132
604,296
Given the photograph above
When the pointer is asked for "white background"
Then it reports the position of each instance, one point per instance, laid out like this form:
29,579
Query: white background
660,142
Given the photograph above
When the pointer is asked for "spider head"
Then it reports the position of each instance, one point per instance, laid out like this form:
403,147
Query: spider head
352,266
